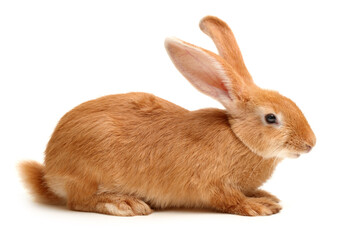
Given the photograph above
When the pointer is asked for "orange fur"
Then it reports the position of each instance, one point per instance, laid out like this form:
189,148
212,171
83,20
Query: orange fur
122,154
33,177
226,44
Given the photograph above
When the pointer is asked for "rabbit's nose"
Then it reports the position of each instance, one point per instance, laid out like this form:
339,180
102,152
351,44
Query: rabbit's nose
308,148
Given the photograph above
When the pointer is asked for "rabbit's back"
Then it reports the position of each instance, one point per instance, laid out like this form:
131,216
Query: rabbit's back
98,130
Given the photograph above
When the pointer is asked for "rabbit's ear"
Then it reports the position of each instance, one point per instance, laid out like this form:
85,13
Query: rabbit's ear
226,44
208,72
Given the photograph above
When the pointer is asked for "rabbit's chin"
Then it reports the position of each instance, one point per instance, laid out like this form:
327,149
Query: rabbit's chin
293,155
288,154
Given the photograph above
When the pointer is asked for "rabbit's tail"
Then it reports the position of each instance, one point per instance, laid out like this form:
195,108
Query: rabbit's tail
32,174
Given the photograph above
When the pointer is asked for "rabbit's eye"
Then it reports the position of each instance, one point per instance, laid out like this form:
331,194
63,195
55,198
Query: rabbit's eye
270,118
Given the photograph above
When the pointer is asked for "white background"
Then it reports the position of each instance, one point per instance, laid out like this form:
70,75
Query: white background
55,55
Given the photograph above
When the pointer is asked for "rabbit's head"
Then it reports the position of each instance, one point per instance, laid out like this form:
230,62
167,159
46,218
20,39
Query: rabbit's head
268,123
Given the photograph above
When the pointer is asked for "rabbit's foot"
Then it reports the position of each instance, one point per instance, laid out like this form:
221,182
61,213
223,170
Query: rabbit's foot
258,193
110,203
257,207
233,201
123,206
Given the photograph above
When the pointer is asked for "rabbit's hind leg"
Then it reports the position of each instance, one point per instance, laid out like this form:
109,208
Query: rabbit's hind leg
121,205
107,203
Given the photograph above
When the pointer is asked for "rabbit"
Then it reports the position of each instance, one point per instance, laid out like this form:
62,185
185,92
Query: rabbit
130,154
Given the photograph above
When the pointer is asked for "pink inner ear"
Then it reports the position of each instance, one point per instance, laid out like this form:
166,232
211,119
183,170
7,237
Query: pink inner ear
222,86
203,69
207,76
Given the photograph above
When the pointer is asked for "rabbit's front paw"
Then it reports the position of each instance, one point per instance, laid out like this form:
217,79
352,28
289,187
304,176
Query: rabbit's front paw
258,207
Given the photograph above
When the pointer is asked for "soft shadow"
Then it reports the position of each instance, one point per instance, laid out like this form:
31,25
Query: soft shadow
185,210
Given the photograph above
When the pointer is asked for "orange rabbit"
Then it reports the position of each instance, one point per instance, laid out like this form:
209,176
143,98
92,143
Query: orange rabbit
130,153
